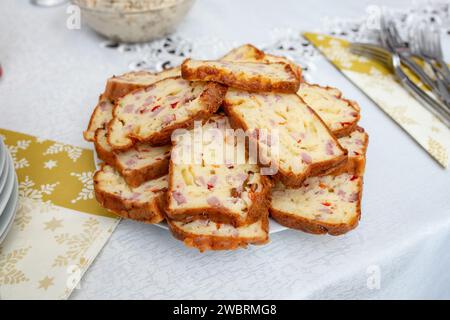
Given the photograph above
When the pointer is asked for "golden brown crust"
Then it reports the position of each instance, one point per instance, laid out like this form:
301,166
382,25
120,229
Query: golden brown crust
105,155
290,179
261,203
354,164
211,98
116,89
135,177
296,68
211,242
315,226
150,212
258,55
90,127
348,127
250,83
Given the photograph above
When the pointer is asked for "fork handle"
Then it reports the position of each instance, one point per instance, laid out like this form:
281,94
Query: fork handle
445,71
426,100
411,64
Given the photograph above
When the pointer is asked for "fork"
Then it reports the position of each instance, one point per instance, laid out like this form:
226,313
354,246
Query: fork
392,60
429,46
392,40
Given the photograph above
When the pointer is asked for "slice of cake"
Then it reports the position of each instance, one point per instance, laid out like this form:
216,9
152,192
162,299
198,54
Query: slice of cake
214,188
118,86
306,147
138,164
356,144
251,76
250,53
209,235
143,203
328,204
100,117
152,114
339,114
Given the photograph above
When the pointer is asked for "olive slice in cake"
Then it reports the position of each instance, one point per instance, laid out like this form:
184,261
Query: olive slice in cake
118,86
143,203
251,76
152,114
328,204
222,191
306,147
339,114
138,164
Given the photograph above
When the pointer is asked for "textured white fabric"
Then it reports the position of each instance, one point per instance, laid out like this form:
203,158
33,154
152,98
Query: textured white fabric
52,77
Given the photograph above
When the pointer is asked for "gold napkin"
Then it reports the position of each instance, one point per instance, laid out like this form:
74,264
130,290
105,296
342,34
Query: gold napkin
376,81
59,228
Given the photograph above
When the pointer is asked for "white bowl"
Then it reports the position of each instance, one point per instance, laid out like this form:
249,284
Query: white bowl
133,20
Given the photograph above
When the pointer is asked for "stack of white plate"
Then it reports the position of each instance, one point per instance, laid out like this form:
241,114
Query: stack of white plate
9,193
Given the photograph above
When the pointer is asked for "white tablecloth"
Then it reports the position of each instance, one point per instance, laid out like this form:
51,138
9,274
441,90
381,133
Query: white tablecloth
52,77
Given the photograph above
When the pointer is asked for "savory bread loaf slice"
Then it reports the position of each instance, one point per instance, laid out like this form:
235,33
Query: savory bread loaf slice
209,235
305,145
152,114
356,145
215,188
100,117
339,114
143,203
250,53
328,204
118,86
138,164
251,76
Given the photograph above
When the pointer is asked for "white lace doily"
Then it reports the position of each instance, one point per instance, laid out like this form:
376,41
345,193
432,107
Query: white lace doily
171,51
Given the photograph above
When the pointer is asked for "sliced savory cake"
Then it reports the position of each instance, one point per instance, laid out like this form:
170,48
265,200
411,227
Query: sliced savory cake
250,53
339,114
143,203
211,188
100,117
356,144
152,114
209,235
138,164
251,76
118,86
306,147
328,204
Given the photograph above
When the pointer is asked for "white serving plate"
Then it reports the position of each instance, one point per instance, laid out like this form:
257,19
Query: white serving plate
2,156
274,227
8,187
7,218
4,174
